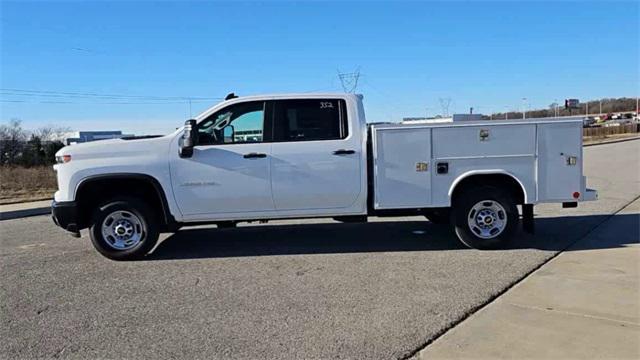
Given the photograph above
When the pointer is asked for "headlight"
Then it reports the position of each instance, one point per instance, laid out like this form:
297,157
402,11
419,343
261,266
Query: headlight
63,159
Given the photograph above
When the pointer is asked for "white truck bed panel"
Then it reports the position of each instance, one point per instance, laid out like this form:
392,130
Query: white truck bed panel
557,180
398,184
508,140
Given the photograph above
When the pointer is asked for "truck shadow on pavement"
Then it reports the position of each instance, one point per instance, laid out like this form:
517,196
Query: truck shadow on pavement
552,234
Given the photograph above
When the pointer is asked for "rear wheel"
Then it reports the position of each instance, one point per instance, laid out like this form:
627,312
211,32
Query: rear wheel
485,218
124,229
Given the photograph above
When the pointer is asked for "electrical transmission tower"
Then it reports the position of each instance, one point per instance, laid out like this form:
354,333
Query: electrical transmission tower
349,81
444,104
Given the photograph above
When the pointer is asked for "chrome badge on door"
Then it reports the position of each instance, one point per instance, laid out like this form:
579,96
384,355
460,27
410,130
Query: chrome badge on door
422,166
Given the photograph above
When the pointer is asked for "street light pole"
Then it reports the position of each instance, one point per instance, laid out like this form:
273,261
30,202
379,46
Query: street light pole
600,107
524,109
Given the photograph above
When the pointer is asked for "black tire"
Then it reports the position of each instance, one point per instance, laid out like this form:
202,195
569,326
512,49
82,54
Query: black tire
439,217
146,226
466,201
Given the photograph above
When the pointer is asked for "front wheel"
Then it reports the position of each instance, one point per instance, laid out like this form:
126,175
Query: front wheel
485,218
124,229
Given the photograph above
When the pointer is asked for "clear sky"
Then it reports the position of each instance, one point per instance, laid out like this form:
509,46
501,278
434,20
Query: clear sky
152,55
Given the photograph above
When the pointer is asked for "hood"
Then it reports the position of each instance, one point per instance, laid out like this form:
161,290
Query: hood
129,146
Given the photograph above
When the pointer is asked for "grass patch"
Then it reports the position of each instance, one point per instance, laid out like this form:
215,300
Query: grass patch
19,184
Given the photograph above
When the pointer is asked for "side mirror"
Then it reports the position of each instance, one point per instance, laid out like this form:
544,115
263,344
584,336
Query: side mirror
189,139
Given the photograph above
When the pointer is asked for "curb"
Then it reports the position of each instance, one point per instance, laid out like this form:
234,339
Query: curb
9,215
611,141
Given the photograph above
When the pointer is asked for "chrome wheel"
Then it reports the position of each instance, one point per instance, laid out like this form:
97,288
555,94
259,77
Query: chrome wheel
487,219
122,230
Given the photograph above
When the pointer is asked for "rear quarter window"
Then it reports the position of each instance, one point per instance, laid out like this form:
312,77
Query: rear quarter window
310,119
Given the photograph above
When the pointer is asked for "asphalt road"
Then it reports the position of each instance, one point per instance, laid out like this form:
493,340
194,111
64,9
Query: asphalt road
319,290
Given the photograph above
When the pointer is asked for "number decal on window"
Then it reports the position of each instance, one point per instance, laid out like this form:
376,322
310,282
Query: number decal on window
326,105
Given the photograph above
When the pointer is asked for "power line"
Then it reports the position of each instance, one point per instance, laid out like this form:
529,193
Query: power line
48,93
30,101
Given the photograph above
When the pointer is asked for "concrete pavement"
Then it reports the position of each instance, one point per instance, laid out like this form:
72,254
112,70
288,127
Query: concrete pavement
585,303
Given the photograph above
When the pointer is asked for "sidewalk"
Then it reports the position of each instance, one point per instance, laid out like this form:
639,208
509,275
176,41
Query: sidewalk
13,211
585,303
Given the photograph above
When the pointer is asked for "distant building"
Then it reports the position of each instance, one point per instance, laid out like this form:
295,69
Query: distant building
86,136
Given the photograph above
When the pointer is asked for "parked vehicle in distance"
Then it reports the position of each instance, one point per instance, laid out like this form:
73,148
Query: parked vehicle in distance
314,155
589,122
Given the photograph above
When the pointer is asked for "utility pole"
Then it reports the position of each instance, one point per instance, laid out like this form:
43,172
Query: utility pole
524,109
506,113
556,110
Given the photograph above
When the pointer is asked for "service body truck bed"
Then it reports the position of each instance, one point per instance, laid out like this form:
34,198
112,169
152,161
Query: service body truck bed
542,155
314,155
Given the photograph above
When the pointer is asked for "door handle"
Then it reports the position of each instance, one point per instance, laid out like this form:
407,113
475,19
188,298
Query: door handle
254,155
344,152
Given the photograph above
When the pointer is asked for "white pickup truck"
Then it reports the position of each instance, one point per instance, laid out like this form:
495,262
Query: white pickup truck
314,155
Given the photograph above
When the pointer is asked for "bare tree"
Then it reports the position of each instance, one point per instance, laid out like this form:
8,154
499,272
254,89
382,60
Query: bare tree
12,139
51,133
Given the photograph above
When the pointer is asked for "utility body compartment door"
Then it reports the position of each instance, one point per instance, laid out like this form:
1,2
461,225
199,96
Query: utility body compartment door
559,161
402,167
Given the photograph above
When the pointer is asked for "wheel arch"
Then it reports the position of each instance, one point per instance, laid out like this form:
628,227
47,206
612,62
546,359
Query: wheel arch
143,186
489,177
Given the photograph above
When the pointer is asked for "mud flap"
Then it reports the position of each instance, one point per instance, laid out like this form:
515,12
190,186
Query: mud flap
528,224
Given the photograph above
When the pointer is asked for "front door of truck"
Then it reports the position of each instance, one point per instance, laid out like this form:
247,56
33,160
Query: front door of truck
315,162
229,171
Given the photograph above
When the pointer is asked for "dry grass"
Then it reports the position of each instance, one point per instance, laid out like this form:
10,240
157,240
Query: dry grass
18,184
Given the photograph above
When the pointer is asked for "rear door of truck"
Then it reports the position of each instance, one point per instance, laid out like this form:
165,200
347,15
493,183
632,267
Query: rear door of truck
316,157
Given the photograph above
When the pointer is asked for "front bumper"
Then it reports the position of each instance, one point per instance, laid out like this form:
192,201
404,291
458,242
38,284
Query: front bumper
65,215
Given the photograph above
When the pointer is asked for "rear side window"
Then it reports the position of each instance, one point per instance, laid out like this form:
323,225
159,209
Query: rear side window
310,119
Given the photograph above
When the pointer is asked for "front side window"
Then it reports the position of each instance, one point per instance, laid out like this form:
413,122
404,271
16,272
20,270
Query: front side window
239,123
310,119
